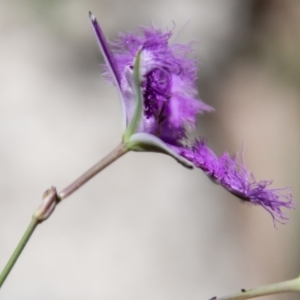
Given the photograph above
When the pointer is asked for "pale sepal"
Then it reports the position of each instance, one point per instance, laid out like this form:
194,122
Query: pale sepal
148,142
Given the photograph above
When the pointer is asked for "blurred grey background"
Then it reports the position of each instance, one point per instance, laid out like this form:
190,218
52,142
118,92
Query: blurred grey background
145,228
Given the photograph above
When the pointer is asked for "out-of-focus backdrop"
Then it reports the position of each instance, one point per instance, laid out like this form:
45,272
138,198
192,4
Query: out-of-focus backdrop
145,228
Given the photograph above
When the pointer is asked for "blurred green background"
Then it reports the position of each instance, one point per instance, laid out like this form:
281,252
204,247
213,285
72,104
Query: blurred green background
145,228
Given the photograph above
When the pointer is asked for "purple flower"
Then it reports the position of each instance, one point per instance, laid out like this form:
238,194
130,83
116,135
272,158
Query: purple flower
156,82
233,176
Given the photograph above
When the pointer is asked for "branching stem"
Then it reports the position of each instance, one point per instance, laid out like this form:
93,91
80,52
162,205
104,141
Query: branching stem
51,199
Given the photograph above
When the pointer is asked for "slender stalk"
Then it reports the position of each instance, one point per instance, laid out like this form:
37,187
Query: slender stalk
276,288
110,158
30,229
51,199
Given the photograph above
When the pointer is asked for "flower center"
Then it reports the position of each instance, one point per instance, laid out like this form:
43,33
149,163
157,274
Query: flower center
156,91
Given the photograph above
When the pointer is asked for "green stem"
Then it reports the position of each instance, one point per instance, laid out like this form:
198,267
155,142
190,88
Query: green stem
29,231
119,151
51,199
276,288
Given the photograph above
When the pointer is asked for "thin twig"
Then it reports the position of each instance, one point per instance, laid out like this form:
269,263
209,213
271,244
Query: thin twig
51,199
106,161
275,288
